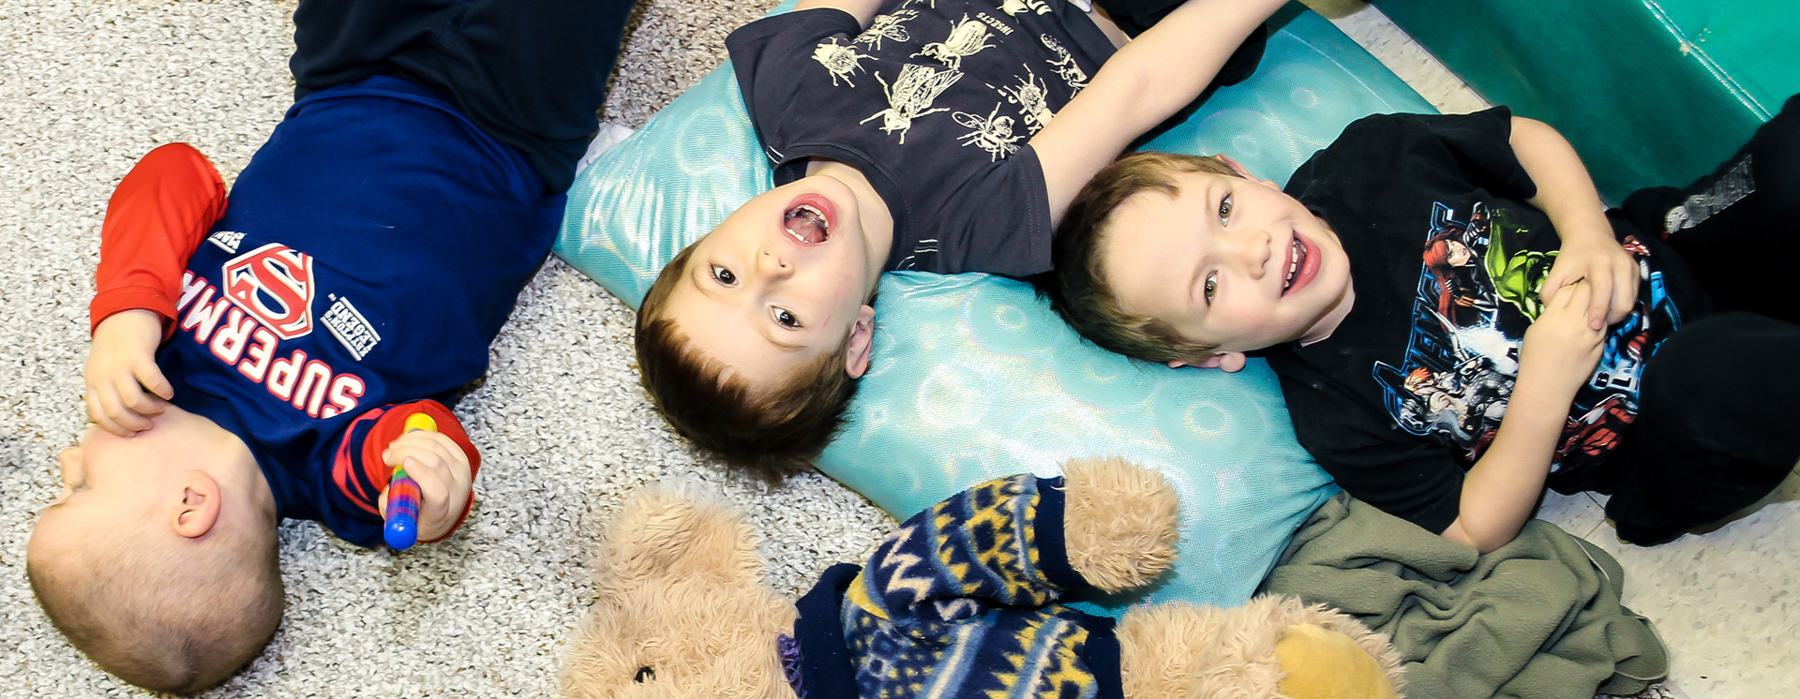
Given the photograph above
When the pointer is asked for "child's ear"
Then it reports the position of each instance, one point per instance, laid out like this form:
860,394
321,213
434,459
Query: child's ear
199,507
862,342
1229,362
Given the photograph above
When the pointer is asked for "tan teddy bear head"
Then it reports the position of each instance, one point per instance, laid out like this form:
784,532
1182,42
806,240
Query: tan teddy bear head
681,607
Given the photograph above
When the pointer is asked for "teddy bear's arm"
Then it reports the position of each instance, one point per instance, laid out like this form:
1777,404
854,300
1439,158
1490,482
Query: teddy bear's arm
998,543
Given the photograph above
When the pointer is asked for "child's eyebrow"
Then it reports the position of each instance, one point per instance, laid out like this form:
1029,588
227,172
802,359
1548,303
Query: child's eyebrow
1197,279
699,281
1195,284
785,346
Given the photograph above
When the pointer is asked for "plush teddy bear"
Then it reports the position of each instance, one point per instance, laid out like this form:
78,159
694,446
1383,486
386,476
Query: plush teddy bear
960,601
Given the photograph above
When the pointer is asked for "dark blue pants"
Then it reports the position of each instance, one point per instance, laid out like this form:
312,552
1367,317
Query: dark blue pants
1718,423
531,73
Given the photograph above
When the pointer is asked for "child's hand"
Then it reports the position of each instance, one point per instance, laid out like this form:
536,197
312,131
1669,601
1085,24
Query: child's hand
121,365
1597,259
1562,347
442,471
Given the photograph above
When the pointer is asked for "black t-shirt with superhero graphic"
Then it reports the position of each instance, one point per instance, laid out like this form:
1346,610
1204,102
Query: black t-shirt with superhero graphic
1447,259
935,102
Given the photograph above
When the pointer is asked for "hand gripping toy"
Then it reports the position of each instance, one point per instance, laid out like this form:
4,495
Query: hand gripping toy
402,528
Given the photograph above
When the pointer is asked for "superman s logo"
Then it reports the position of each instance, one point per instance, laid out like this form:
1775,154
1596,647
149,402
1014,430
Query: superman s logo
274,284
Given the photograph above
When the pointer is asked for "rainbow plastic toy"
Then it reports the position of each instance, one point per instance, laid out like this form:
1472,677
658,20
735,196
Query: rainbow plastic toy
402,528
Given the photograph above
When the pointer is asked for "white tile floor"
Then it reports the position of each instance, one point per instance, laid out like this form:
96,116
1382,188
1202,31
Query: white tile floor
1725,602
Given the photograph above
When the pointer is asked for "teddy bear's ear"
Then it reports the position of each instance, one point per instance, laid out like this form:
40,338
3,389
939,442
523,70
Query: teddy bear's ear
1119,522
679,530
1272,646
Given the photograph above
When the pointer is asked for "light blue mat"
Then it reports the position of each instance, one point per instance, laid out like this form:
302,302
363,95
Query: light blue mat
972,376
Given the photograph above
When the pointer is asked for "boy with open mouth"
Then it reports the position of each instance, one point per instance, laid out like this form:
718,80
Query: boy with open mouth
943,137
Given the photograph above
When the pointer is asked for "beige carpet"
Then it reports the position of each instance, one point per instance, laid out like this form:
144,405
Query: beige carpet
88,87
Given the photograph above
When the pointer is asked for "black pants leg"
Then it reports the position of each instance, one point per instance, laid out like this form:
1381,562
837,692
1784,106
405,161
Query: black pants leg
1718,426
532,73
1135,16
1739,227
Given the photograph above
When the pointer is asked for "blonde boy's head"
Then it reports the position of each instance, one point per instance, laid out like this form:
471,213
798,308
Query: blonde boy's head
1194,261
1077,286
156,571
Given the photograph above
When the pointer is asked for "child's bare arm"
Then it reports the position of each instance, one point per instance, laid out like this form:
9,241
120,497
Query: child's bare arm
1147,81
863,10
1500,491
1565,192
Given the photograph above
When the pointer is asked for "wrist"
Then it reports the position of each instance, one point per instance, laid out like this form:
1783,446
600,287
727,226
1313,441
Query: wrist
1539,403
138,326
1581,223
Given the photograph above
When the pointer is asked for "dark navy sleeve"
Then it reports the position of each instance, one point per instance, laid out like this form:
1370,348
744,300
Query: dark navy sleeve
1007,215
772,57
348,492
999,543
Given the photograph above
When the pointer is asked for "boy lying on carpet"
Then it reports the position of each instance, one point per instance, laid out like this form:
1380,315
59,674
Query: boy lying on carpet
905,136
1458,321
367,256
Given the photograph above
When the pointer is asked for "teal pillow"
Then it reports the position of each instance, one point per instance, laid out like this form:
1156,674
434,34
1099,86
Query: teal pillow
973,376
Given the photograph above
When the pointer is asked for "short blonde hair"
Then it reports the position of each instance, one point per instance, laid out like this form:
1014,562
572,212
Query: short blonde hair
163,615
1077,286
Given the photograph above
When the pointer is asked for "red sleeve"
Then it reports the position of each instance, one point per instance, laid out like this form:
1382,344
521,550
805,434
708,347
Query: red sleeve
159,213
388,427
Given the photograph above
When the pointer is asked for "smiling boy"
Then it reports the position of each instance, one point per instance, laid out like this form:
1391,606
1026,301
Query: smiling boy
942,137
1457,320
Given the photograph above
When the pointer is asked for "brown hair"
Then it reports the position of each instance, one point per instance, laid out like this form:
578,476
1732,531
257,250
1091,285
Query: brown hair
771,433
156,617
1077,286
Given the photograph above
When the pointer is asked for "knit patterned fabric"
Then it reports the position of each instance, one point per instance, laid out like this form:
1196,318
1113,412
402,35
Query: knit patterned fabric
959,602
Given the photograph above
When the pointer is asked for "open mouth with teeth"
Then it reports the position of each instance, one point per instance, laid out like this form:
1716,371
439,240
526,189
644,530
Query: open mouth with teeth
807,222
1302,265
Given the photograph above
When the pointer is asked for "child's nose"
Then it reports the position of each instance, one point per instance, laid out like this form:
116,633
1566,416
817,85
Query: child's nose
70,461
1252,249
770,264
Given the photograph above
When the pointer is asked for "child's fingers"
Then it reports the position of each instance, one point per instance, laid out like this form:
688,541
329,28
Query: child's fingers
1624,292
115,406
1573,296
1599,293
441,469
1553,282
133,398
150,376
97,413
436,498
433,448
412,456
